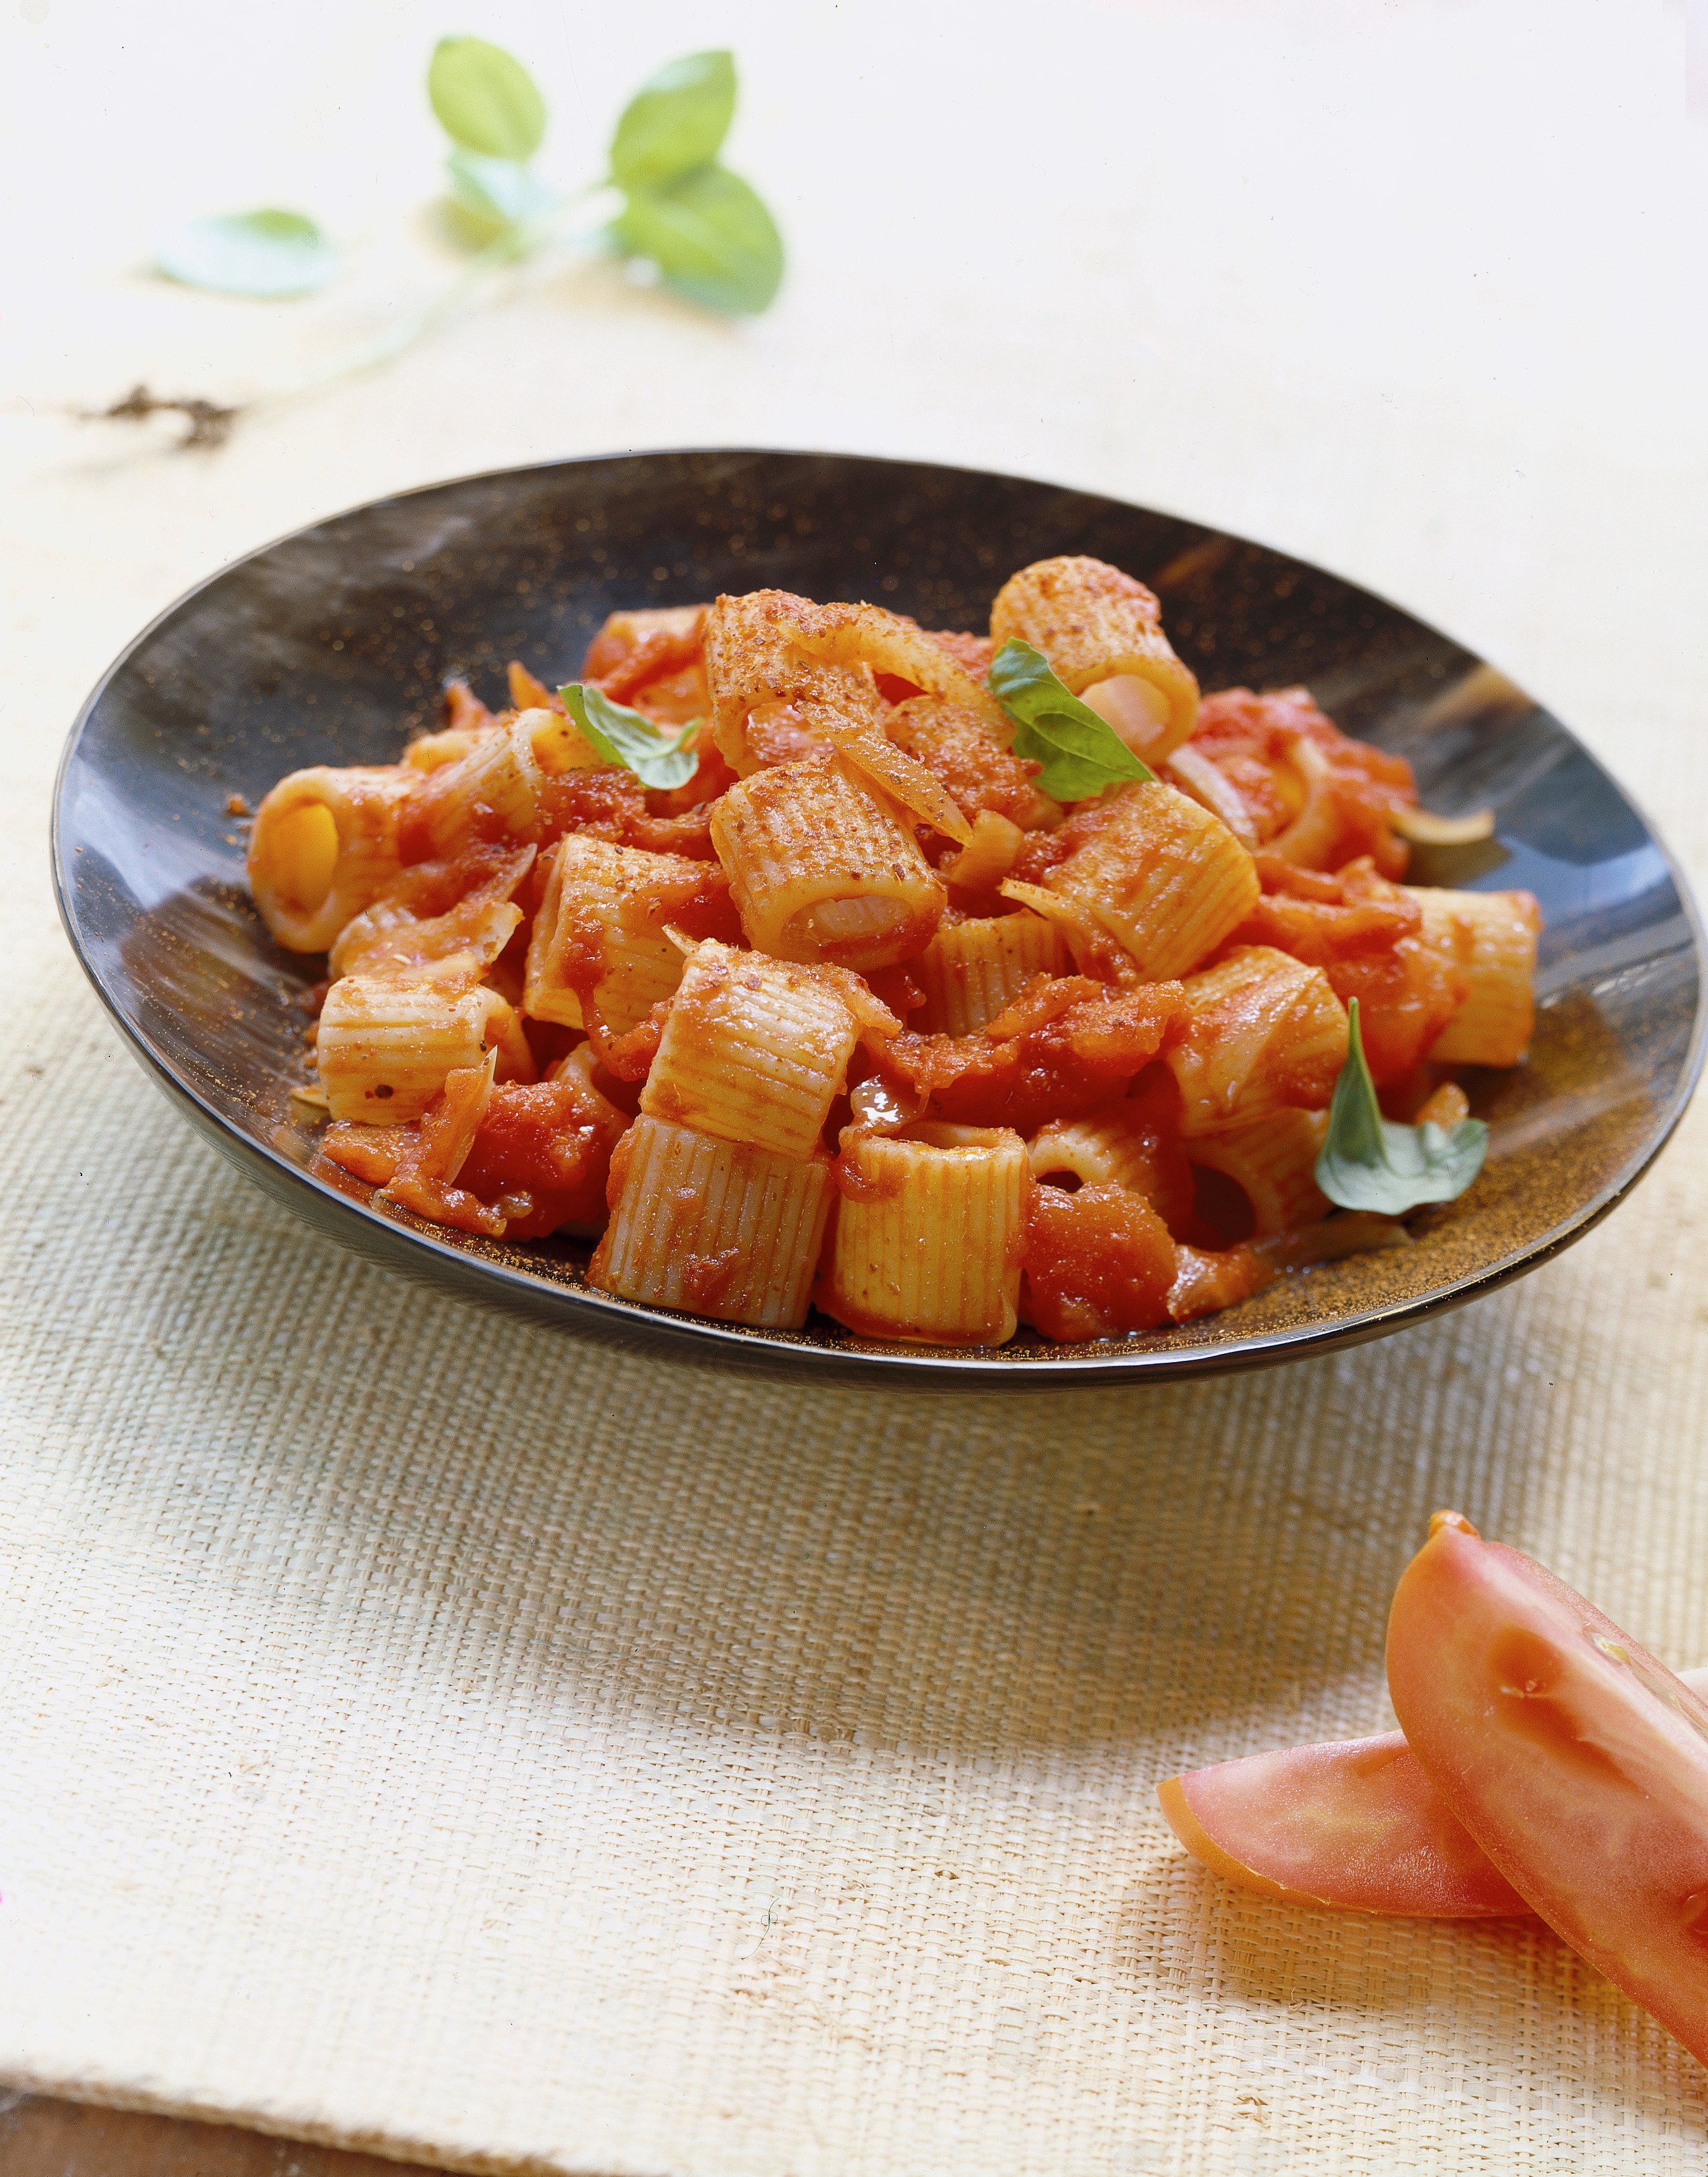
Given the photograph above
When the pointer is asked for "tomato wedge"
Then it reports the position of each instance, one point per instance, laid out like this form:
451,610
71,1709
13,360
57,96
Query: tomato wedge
1357,1825
1354,1824
1577,1762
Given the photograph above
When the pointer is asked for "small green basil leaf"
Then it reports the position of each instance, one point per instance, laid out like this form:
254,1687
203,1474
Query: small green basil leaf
268,253
1369,1162
495,194
675,121
623,736
711,238
1081,753
485,99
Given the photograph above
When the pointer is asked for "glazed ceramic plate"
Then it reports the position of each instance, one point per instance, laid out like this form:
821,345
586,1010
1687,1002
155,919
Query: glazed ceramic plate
330,647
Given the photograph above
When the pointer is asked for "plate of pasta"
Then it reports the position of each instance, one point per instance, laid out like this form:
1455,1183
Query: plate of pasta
862,917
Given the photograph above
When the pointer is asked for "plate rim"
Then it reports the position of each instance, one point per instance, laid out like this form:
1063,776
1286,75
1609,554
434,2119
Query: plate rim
581,1311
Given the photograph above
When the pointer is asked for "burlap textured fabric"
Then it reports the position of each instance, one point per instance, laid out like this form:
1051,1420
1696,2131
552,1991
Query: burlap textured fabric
427,1733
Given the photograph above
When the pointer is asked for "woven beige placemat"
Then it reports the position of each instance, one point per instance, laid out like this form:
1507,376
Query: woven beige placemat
429,1733
422,1731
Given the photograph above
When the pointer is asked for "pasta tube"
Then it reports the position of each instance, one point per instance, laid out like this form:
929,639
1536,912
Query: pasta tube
1260,1030
491,791
600,928
1121,1144
324,846
430,752
1273,1159
1163,876
1490,938
384,1046
971,970
930,1234
1102,633
867,635
819,871
494,790
753,664
755,1050
722,1228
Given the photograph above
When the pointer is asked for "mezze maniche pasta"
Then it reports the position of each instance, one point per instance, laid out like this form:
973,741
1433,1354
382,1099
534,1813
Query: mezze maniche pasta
865,1001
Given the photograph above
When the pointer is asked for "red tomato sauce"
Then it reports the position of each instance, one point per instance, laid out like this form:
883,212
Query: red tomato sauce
1059,1069
1100,1263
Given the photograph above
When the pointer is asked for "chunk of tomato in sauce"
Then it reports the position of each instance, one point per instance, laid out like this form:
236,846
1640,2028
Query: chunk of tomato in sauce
1364,933
1100,1263
550,1141
1064,1045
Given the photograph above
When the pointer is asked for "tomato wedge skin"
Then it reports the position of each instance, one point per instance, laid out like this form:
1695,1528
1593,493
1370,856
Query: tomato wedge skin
1578,1762
1351,1824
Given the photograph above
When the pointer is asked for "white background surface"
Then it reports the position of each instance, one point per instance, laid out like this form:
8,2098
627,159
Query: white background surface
1410,286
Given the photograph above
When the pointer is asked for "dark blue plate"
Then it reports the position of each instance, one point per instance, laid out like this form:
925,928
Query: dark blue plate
330,647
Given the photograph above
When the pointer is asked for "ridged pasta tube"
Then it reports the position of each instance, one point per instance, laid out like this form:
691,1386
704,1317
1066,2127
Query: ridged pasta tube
1164,877
1102,633
971,970
721,1228
384,1046
1490,938
819,871
324,847
1273,1159
1119,1145
869,636
1260,1030
931,1234
596,929
755,1050
430,752
493,790
752,661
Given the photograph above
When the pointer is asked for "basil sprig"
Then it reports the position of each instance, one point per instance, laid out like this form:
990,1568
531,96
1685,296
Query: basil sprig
702,227
1369,1162
623,736
1082,754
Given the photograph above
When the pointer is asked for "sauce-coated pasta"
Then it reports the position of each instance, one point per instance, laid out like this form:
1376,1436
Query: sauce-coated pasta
857,1015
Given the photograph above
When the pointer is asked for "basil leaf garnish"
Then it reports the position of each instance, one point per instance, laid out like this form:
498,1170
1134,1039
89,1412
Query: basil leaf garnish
1369,1162
674,121
268,253
710,236
1081,753
485,99
623,736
